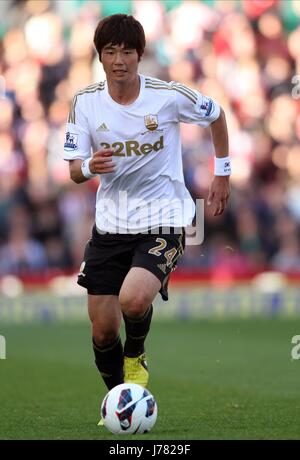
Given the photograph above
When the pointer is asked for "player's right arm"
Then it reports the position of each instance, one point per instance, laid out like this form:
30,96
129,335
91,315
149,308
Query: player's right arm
83,165
100,163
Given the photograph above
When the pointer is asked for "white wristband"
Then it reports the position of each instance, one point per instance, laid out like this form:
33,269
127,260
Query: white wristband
222,166
85,169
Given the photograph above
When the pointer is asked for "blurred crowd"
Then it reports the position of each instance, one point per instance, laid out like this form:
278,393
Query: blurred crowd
245,54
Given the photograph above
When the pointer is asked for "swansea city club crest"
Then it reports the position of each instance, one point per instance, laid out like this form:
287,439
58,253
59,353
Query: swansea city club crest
151,122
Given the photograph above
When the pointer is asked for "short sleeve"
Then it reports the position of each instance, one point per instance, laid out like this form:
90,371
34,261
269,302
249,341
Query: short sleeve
194,107
77,143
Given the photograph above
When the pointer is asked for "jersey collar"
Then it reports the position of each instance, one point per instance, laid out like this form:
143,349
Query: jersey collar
134,103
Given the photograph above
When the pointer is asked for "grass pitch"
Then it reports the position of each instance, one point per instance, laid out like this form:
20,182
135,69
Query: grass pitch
231,379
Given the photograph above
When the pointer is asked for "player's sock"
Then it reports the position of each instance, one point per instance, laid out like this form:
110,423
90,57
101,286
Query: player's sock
109,361
136,333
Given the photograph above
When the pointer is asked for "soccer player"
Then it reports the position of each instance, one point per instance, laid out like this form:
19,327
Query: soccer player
126,131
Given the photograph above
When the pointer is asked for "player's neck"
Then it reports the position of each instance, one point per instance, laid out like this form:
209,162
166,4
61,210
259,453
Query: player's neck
124,92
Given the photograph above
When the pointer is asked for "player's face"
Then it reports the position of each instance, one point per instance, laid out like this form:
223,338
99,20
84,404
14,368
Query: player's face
119,63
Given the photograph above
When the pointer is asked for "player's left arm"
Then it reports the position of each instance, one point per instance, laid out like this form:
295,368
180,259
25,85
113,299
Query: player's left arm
194,107
219,190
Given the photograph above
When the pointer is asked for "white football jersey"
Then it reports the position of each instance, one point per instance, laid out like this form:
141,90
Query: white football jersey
146,189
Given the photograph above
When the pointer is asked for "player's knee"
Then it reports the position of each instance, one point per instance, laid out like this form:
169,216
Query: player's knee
134,306
103,336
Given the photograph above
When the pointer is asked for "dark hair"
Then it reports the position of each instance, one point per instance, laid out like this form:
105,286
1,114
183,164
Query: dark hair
120,29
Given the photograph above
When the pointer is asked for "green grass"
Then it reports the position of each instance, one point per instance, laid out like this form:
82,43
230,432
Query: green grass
212,380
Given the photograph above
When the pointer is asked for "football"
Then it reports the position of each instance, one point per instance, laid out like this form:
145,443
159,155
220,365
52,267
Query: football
129,409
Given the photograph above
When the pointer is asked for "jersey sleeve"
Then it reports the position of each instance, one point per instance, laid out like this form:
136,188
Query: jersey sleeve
77,137
194,107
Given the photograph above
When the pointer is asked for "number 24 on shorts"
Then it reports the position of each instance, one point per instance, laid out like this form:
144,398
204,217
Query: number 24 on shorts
156,251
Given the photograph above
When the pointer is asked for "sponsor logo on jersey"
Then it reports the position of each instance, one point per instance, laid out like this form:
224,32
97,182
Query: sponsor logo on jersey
132,147
151,122
71,142
102,128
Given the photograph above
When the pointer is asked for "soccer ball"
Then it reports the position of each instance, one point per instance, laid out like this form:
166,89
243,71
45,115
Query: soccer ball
128,409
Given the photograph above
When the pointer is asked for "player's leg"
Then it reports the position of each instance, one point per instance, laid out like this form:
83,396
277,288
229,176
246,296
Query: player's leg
154,259
138,291
105,315
107,260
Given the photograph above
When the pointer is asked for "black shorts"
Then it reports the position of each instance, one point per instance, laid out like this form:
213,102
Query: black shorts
109,257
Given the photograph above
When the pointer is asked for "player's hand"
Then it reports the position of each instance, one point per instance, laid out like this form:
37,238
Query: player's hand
219,192
102,162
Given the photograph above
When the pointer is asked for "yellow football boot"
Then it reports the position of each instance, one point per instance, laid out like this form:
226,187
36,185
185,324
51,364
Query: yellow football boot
101,422
136,370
